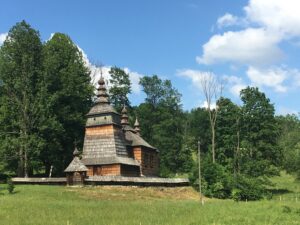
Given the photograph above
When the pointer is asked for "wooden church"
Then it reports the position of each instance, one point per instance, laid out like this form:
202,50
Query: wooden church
111,146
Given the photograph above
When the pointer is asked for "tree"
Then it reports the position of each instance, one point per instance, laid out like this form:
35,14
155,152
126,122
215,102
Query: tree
120,88
160,116
198,126
20,73
227,130
155,89
212,90
289,141
260,132
67,94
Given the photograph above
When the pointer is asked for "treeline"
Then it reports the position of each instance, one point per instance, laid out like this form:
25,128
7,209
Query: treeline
45,92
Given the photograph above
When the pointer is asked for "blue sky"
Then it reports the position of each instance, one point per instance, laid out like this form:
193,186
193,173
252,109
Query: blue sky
242,42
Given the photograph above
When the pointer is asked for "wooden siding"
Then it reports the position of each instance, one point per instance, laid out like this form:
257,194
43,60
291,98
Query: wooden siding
149,162
104,170
130,171
114,170
137,153
100,130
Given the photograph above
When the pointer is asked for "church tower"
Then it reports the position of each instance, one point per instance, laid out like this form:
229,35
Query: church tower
111,146
104,149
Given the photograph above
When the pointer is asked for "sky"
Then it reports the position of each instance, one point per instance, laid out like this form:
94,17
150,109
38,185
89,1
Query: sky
241,42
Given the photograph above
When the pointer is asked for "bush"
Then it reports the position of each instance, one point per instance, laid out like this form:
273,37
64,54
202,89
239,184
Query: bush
247,188
216,181
10,185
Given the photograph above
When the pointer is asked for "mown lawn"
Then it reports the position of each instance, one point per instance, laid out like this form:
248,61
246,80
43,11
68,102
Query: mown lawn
40,205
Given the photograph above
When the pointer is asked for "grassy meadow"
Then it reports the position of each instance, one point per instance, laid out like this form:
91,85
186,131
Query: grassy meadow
59,205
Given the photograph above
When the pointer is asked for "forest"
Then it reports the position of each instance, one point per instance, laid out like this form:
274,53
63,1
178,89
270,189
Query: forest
46,91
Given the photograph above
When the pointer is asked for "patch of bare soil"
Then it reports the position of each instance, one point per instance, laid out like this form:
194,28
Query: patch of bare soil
136,193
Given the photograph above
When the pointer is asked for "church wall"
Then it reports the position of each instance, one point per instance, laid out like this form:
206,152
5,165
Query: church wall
104,170
149,162
137,153
130,171
100,130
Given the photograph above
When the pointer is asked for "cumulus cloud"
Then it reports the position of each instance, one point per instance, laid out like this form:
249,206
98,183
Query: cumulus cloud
3,37
195,76
236,84
281,16
275,77
251,46
269,23
135,79
204,104
257,43
97,70
227,20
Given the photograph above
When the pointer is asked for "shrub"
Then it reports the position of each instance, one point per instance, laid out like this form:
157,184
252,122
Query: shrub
10,185
216,181
286,209
247,188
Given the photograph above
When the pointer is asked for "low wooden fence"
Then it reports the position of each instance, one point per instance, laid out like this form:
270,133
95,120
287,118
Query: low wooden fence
108,180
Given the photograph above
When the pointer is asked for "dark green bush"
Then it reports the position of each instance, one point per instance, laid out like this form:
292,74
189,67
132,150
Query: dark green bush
216,181
247,188
10,185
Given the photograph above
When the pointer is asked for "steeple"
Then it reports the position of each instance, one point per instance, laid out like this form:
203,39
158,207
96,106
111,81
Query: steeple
124,117
102,104
76,153
102,96
137,127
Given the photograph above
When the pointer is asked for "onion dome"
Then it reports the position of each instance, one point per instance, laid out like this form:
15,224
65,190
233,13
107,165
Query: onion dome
102,104
124,117
137,126
76,152
102,96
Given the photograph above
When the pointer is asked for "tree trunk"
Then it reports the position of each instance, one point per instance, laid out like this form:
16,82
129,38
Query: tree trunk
20,171
25,164
213,135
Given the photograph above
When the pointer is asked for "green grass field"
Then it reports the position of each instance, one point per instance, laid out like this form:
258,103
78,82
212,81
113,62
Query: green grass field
37,205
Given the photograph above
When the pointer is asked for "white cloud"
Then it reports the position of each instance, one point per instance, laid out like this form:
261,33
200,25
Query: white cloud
195,75
51,36
135,79
227,20
96,71
204,104
250,46
272,77
268,23
281,16
236,84
3,37
282,110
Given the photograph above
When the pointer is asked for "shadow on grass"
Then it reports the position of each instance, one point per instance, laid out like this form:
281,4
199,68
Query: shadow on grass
14,192
280,191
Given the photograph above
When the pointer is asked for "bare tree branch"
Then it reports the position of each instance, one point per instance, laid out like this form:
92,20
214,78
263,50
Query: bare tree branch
212,90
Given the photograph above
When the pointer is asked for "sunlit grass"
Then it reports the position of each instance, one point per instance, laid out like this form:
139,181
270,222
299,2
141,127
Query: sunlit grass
59,205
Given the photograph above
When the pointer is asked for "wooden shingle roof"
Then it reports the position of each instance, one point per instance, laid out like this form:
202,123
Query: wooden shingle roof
110,160
136,140
76,166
